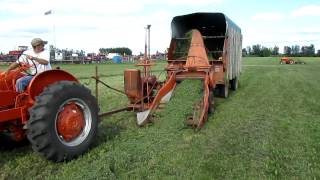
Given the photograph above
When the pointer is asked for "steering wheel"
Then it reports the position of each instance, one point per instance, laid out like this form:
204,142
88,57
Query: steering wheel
25,65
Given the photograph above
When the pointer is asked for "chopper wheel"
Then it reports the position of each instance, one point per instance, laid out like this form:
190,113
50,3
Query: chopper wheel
211,103
195,120
63,121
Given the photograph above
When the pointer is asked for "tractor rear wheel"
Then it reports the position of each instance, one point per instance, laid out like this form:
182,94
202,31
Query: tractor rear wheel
63,121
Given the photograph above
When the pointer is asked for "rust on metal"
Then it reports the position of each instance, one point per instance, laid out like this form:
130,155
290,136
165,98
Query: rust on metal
115,111
70,122
133,84
108,86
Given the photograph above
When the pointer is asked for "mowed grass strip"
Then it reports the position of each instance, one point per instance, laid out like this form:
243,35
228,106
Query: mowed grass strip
268,129
175,113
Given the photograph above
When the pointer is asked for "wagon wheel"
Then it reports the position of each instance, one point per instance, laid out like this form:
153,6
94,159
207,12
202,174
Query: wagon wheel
224,90
195,118
63,122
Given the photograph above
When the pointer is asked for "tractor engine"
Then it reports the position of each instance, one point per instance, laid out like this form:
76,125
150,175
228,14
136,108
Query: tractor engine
140,89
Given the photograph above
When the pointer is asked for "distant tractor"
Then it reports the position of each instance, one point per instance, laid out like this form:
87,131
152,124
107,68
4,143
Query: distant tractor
56,113
287,60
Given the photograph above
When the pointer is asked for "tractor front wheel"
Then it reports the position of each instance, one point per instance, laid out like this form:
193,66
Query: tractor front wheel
63,121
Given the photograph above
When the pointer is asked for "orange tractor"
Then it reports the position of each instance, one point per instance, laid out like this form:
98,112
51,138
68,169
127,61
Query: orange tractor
58,115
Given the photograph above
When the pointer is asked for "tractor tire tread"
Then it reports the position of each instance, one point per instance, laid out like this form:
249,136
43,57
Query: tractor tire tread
40,133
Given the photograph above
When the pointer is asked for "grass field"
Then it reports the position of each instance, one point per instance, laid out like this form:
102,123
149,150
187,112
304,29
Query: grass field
268,129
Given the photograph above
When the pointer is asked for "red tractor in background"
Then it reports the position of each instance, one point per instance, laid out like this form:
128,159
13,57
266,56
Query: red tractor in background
286,60
55,113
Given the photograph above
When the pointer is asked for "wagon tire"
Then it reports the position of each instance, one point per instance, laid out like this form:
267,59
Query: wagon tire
211,103
224,90
234,84
63,121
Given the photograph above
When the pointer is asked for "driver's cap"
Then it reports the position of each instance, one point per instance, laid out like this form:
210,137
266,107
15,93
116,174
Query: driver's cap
37,42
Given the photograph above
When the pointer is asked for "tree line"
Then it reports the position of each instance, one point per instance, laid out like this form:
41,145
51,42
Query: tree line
119,50
295,50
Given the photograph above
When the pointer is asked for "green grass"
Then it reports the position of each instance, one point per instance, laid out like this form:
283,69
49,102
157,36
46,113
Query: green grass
268,129
185,96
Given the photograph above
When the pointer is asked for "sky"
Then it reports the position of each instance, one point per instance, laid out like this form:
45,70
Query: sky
91,24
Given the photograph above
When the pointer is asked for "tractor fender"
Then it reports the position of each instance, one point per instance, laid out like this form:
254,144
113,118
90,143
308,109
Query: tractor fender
44,79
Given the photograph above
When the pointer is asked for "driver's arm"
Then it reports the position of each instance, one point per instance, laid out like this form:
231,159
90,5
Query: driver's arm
40,60
12,66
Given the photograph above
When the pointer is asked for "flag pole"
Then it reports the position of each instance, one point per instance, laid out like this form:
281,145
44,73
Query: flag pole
51,12
54,29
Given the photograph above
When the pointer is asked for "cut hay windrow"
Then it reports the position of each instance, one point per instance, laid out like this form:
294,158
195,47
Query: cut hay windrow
180,107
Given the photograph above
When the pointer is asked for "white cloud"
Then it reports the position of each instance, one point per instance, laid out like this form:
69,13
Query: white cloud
311,30
89,32
189,2
113,7
98,7
270,16
89,25
22,7
310,10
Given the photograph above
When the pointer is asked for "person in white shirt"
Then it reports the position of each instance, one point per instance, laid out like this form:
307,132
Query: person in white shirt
40,58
